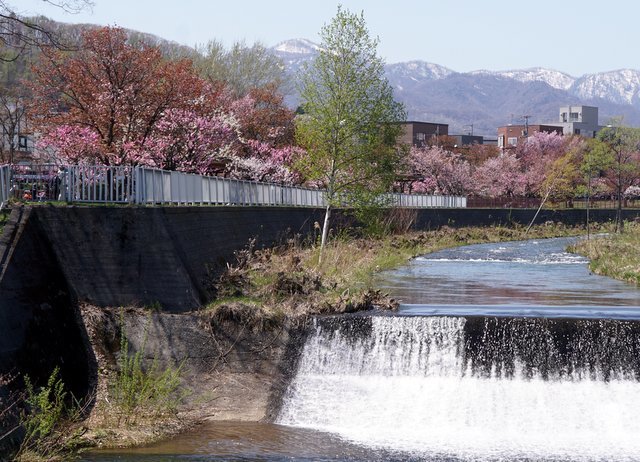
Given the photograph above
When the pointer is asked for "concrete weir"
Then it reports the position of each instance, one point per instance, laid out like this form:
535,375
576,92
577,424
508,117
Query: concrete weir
65,271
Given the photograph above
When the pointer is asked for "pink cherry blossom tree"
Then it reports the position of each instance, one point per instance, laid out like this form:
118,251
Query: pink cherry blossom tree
439,171
70,144
500,176
537,156
186,141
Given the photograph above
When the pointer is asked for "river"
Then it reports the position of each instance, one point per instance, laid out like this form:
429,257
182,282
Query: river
509,351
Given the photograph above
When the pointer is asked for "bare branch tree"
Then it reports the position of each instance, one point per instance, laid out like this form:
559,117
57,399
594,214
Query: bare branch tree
12,117
18,33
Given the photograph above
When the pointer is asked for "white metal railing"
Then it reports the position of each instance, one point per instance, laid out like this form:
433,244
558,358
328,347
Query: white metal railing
167,187
5,184
98,183
156,186
142,185
428,201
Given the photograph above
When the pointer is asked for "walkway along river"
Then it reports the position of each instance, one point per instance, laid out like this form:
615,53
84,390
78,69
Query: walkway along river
508,351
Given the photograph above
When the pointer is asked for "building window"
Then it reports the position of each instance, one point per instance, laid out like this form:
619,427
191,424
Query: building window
574,116
512,141
22,142
501,141
576,131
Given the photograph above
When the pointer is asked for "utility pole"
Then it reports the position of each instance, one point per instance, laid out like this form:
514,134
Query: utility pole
526,125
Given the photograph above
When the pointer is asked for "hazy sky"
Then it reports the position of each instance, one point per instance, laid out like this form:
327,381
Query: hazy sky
576,37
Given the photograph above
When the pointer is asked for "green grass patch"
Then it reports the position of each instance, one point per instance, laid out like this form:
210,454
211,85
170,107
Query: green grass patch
614,255
244,299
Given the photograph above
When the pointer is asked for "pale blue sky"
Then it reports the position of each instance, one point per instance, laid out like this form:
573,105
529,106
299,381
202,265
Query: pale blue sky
576,37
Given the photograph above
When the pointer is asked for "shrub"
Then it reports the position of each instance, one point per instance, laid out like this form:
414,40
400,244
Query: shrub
143,392
49,422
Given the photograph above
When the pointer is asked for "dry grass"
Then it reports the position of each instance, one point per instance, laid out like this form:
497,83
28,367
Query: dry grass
614,255
265,287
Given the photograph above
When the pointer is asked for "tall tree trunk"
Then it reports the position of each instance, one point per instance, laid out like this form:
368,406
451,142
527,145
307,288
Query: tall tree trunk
325,230
588,205
619,224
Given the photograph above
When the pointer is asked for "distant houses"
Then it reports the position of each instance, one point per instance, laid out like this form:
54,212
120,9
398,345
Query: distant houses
572,120
579,120
509,136
422,134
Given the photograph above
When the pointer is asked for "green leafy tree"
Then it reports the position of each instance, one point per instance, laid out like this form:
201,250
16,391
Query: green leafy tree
349,124
624,148
563,177
596,159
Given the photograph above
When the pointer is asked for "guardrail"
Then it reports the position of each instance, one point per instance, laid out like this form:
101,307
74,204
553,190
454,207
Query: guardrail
427,201
165,187
142,185
97,183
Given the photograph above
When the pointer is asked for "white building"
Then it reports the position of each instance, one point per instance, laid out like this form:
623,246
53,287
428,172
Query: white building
579,120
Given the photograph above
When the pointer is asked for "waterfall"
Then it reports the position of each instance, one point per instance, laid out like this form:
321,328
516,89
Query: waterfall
473,388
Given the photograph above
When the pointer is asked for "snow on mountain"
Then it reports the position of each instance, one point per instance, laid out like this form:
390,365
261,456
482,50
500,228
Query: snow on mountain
621,86
297,47
294,53
487,98
554,79
418,70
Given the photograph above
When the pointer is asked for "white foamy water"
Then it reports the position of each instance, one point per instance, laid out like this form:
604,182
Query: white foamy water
405,386
555,260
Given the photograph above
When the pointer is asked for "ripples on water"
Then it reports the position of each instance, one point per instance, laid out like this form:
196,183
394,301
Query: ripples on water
250,441
522,273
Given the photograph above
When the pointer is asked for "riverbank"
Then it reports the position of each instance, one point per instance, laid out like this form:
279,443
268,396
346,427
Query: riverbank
236,355
614,255
287,282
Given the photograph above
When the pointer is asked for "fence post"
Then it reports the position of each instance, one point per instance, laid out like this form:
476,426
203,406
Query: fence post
137,185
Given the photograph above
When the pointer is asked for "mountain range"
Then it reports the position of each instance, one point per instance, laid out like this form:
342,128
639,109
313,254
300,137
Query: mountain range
484,100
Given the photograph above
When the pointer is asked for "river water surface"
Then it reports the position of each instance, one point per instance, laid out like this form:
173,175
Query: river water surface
509,351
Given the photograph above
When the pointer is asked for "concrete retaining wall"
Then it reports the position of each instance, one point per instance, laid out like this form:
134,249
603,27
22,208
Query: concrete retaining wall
39,327
166,256
54,259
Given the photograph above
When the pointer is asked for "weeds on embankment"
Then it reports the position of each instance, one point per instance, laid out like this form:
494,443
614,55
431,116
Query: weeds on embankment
614,255
265,287
139,404
47,419
141,396
4,217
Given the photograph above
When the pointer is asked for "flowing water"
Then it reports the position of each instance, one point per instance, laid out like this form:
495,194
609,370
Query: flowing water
499,352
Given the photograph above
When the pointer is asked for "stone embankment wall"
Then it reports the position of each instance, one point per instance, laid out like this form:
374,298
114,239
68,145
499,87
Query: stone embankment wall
162,256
